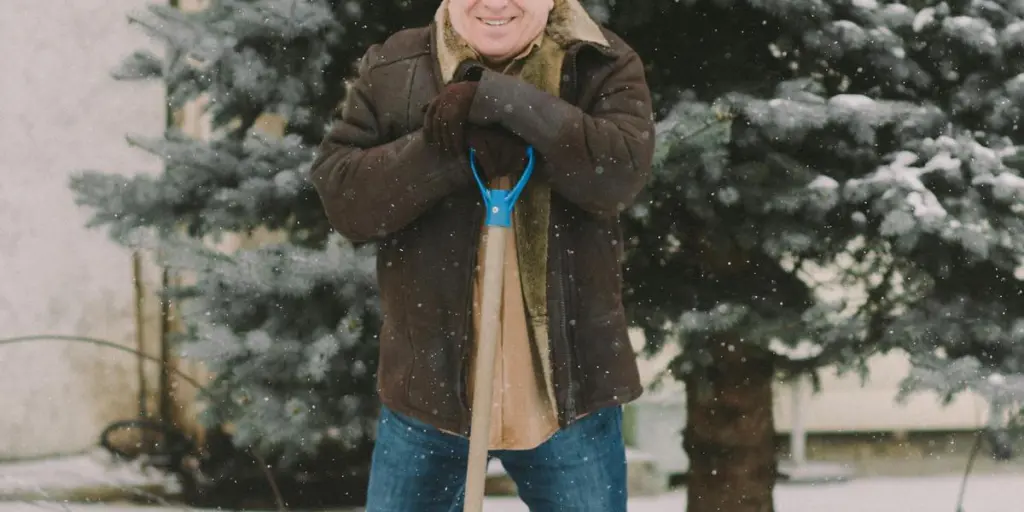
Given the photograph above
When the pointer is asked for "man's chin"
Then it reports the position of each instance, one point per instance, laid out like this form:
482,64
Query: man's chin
496,52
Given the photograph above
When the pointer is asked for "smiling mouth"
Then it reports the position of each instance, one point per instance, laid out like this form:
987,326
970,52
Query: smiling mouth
496,23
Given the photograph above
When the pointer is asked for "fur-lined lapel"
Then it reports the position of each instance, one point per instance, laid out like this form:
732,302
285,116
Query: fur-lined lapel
568,23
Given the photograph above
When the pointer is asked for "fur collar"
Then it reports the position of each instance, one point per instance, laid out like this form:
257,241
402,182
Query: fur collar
568,23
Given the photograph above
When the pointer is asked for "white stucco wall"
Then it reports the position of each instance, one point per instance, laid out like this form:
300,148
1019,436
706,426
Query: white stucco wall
60,112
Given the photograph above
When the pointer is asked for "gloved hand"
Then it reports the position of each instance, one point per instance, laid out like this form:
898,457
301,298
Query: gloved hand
469,70
499,152
444,123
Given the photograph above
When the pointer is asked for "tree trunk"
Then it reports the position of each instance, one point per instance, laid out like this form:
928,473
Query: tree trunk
730,432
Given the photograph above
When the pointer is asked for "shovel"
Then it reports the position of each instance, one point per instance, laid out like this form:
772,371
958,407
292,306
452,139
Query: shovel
499,205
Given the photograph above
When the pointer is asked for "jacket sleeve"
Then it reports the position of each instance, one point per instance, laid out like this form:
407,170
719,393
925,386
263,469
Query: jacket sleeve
599,160
370,187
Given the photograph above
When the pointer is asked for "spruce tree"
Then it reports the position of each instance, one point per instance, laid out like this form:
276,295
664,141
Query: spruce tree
287,326
961,222
835,173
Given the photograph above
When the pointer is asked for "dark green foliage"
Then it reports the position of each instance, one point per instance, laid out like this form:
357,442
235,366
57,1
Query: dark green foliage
288,328
815,151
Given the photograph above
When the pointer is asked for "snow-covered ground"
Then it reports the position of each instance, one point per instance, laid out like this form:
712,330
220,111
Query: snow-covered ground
59,477
985,493
1002,493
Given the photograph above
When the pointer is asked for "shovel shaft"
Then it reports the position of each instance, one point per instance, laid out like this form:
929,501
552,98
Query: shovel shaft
499,205
483,378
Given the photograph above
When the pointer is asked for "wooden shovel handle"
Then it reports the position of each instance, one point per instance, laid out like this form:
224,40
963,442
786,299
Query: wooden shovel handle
483,383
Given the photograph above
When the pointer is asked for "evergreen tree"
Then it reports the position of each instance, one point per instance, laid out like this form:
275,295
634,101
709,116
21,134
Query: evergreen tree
289,327
838,173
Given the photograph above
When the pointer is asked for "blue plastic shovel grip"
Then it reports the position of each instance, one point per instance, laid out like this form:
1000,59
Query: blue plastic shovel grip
499,203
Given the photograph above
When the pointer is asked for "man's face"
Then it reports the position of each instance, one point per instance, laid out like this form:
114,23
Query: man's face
499,29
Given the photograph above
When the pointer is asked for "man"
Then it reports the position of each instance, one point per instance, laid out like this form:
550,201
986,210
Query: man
496,75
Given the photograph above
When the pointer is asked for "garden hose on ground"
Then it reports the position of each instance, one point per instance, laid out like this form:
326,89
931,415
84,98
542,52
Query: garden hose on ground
176,447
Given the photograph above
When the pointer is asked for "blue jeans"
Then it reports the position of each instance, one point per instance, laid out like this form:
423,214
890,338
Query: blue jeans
417,468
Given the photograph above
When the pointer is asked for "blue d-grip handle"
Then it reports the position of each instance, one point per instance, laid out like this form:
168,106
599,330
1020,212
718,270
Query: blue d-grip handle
499,203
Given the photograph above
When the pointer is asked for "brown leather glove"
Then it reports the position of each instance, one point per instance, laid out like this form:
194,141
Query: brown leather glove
499,152
444,123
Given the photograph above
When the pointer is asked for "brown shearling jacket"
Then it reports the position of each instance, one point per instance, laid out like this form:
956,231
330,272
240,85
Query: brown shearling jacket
379,181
